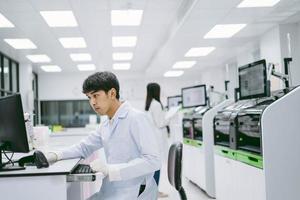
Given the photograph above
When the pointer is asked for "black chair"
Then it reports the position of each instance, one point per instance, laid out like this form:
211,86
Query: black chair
174,168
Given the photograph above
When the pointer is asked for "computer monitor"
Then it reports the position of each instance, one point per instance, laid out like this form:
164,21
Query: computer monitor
174,101
253,81
13,136
194,96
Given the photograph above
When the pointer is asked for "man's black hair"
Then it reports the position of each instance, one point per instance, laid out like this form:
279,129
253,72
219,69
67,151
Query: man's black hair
101,81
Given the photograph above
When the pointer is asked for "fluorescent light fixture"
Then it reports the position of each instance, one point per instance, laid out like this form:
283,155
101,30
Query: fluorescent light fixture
124,41
122,56
81,57
73,42
184,64
257,3
199,51
38,58
224,30
59,18
86,67
51,68
5,23
126,17
20,43
121,66
173,73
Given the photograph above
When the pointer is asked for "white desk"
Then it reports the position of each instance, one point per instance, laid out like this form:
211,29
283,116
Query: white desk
46,183
32,183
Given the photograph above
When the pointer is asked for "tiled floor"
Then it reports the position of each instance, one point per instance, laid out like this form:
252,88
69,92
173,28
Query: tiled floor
193,192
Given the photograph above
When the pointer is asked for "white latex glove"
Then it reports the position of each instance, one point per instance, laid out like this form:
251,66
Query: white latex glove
52,157
99,165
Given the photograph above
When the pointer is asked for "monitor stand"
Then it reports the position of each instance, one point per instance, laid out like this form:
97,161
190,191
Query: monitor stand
4,166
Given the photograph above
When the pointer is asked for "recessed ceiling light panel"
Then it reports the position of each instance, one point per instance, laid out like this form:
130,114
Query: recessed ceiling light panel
5,23
121,66
51,68
86,67
184,64
257,3
224,31
41,58
20,43
173,73
73,42
59,18
199,51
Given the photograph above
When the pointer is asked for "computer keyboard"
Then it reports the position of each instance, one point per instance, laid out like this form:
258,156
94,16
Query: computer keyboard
82,169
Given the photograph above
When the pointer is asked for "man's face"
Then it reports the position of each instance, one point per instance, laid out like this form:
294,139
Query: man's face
100,101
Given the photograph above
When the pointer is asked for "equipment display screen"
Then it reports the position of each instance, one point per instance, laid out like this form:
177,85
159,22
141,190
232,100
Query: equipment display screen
174,101
253,80
194,96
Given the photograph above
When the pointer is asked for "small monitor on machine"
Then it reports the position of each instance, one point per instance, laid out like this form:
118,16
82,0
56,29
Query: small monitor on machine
174,101
194,96
253,81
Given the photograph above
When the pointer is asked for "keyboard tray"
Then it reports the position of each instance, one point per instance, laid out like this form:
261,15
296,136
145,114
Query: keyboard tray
81,177
77,176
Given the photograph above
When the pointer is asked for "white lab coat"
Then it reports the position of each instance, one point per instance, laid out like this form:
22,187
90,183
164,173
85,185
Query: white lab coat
131,151
157,116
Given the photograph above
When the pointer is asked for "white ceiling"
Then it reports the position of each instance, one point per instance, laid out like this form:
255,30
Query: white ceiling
169,29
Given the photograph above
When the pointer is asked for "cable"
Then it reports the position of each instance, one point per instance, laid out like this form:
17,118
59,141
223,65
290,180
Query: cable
9,159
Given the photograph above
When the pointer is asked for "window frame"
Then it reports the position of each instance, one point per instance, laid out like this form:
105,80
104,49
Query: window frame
4,92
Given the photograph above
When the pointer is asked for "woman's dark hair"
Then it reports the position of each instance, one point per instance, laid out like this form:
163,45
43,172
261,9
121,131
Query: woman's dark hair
101,81
153,92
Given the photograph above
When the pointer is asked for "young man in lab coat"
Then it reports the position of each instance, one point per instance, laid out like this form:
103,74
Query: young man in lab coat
128,140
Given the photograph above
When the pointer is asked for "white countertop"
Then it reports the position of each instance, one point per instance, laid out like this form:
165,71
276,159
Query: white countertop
59,168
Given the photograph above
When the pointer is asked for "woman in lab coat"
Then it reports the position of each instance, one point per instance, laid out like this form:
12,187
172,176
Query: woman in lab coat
157,115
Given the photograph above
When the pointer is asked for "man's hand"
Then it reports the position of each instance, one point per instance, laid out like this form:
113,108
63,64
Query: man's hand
52,157
99,166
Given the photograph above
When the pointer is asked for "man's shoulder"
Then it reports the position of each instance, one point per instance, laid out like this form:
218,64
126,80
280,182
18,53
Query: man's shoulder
134,113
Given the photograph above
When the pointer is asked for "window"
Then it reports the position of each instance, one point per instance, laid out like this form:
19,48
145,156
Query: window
71,113
6,74
15,75
9,75
35,99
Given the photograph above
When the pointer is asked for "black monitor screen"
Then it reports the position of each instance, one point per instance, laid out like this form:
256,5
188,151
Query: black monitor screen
194,96
253,80
12,125
174,101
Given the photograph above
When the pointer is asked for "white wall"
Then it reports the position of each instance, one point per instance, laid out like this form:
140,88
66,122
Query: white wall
59,86
25,75
233,79
214,77
296,57
274,48
294,31
271,51
132,88
244,58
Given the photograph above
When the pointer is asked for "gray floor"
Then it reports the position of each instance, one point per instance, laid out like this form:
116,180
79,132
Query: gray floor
193,192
